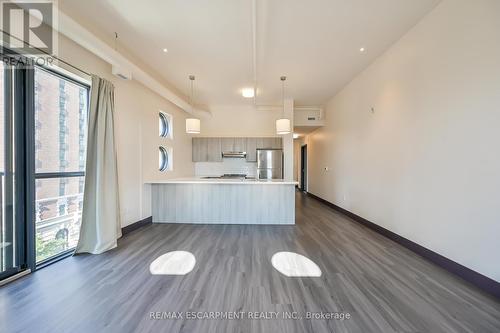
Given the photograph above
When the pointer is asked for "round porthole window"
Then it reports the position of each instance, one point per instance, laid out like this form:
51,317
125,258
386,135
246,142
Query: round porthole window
165,125
163,158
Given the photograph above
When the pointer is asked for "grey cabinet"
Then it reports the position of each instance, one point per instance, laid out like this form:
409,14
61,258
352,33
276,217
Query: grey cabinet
200,149
210,149
251,149
214,151
273,143
240,144
278,143
233,144
226,144
207,150
261,143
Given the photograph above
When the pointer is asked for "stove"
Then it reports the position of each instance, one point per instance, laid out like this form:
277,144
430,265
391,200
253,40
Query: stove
229,176
233,175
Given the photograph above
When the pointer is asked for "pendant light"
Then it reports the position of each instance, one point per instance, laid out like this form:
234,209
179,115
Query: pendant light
283,124
192,124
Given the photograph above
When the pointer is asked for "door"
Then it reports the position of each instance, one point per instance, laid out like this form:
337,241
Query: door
13,241
303,168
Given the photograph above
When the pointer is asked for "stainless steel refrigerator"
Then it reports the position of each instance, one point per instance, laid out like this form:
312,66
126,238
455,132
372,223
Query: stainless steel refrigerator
269,163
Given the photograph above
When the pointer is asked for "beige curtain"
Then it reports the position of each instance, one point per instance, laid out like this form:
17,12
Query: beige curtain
101,210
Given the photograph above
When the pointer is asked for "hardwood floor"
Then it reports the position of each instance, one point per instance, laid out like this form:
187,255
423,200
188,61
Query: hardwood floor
381,285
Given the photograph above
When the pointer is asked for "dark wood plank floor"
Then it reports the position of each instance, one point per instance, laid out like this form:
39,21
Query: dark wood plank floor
384,287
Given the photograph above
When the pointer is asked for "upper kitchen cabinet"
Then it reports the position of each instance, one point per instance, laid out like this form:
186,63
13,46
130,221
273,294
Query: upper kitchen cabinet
240,144
277,143
207,150
233,144
272,143
211,149
214,151
227,144
261,143
251,149
200,149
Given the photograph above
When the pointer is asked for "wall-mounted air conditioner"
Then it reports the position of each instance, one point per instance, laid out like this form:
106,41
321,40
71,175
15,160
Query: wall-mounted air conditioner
308,116
122,73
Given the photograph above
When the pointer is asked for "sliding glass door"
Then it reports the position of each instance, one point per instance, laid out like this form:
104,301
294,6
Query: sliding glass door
7,231
60,141
43,137
12,230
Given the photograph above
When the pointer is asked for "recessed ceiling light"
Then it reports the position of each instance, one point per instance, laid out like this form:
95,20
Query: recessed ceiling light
247,92
165,50
362,50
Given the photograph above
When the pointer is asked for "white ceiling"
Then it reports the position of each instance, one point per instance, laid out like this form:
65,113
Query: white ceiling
315,43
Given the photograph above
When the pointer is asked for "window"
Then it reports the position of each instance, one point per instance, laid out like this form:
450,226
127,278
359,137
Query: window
165,125
61,107
43,130
165,158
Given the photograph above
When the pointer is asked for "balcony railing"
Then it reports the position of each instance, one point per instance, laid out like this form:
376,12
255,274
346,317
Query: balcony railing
59,201
57,224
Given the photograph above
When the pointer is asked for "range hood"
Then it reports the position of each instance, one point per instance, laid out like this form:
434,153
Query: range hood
234,154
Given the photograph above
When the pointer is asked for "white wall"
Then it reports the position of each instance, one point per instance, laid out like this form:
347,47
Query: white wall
136,128
297,158
426,164
239,121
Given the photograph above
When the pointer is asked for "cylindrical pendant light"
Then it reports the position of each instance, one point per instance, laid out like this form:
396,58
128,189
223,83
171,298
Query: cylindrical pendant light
283,124
193,125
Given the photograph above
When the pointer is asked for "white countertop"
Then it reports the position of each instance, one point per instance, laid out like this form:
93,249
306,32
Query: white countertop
198,180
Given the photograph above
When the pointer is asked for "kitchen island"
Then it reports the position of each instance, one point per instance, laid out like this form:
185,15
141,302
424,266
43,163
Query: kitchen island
223,201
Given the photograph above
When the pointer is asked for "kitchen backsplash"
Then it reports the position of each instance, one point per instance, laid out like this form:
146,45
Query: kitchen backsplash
228,165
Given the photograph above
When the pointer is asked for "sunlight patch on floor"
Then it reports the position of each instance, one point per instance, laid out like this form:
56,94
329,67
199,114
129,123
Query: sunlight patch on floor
173,263
293,264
